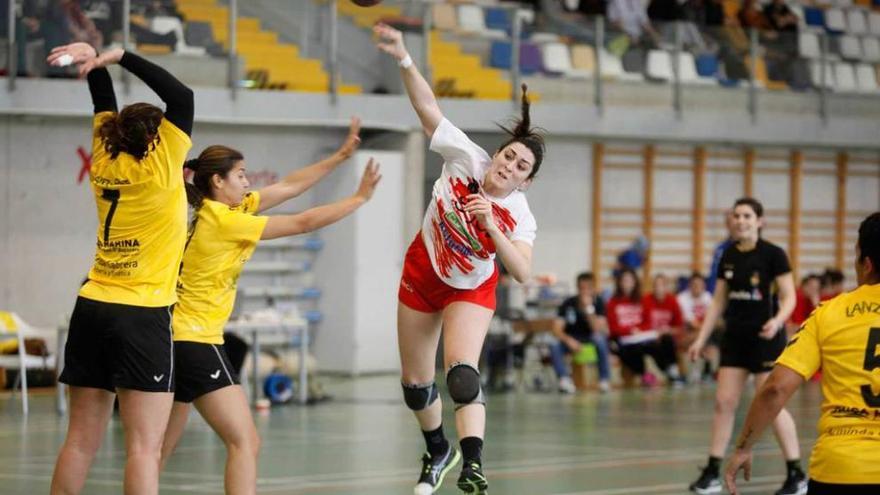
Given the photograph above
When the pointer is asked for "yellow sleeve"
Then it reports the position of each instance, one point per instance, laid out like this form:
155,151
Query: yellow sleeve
98,151
803,354
171,151
250,203
242,225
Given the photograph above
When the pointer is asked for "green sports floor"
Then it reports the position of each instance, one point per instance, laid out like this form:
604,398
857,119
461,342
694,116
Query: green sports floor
366,442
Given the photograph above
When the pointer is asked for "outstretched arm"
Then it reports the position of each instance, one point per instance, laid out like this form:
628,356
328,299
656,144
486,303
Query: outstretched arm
177,96
321,216
303,179
420,93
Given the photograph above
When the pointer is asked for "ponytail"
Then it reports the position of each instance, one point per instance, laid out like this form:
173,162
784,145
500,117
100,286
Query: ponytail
522,132
134,130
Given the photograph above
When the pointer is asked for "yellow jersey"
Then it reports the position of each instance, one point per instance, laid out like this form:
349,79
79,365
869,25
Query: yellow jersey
221,241
141,220
842,337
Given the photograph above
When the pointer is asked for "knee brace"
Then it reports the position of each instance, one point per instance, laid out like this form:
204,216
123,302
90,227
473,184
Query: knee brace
464,385
419,396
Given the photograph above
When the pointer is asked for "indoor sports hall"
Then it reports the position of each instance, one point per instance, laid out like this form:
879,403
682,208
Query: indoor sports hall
336,247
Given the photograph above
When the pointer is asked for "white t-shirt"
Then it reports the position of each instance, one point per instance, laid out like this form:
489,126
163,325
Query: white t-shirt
462,253
694,308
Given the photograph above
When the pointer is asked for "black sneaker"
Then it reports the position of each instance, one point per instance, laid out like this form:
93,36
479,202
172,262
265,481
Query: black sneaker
434,469
708,482
472,479
795,484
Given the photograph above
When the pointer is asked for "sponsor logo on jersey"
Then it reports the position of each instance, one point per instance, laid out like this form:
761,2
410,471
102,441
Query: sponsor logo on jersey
862,308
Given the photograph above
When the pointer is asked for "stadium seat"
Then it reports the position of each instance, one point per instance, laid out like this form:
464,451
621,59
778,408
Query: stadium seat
659,65
871,49
529,57
583,58
874,23
498,19
808,45
866,79
557,59
687,68
843,3
500,54
611,67
856,23
850,48
707,65
845,78
471,18
444,18
816,74
835,20
814,17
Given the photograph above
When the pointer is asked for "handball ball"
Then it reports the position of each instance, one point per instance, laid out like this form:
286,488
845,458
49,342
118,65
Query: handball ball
366,3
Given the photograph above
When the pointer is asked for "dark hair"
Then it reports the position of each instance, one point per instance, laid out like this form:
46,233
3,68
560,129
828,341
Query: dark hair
833,276
523,132
695,276
213,160
618,285
752,203
585,277
811,276
134,130
869,240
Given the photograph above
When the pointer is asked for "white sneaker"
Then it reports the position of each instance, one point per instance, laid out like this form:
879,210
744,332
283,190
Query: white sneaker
566,385
604,386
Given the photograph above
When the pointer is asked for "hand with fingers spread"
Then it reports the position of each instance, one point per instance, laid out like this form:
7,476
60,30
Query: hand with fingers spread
84,56
390,41
369,181
353,140
481,208
741,459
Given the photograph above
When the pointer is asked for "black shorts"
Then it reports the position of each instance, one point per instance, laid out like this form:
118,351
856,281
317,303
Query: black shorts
819,488
745,349
112,346
200,369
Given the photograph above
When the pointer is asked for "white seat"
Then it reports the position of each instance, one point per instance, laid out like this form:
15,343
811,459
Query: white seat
850,48
874,23
816,74
611,67
659,65
13,328
856,22
556,58
845,77
687,68
866,79
162,24
808,44
471,18
871,50
835,19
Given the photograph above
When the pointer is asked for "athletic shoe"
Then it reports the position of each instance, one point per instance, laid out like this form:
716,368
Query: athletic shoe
604,386
795,484
708,482
566,385
472,479
434,469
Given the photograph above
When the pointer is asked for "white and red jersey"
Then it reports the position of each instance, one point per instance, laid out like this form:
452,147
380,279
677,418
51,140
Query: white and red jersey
694,309
461,252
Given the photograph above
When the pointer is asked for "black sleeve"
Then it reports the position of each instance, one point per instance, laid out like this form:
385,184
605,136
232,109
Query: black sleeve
779,262
101,88
563,308
177,96
599,306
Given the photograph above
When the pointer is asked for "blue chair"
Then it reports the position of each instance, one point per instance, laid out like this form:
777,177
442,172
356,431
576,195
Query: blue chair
707,65
530,60
497,19
500,54
814,17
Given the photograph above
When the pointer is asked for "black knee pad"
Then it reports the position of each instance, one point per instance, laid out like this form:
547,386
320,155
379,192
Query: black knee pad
463,381
420,396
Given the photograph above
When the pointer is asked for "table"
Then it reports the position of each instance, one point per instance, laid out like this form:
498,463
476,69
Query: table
255,328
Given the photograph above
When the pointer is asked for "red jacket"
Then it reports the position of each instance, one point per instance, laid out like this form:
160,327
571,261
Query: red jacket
802,309
661,314
624,316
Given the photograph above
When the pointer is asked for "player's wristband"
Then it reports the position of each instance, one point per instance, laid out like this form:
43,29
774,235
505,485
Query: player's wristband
406,63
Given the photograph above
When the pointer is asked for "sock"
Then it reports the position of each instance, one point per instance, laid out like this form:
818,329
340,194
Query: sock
472,448
714,464
793,467
436,441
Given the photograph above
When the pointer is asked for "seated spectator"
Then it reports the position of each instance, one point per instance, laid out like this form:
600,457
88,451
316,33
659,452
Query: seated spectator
704,13
780,17
581,321
630,343
662,314
694,302
751,17
630,17
808,298
832,283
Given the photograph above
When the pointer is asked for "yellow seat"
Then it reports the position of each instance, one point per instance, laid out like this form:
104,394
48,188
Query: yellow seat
583,57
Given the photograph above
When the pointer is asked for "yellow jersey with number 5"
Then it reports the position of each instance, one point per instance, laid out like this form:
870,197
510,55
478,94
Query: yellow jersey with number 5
842,338
142,209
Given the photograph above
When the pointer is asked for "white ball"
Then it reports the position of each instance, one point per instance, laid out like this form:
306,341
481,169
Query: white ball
65,60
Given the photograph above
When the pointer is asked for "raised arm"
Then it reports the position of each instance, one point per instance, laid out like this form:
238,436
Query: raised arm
421,96
321,216
303,179
177,96
100,84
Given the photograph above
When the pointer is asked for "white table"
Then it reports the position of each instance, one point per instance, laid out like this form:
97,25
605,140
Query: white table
287,330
